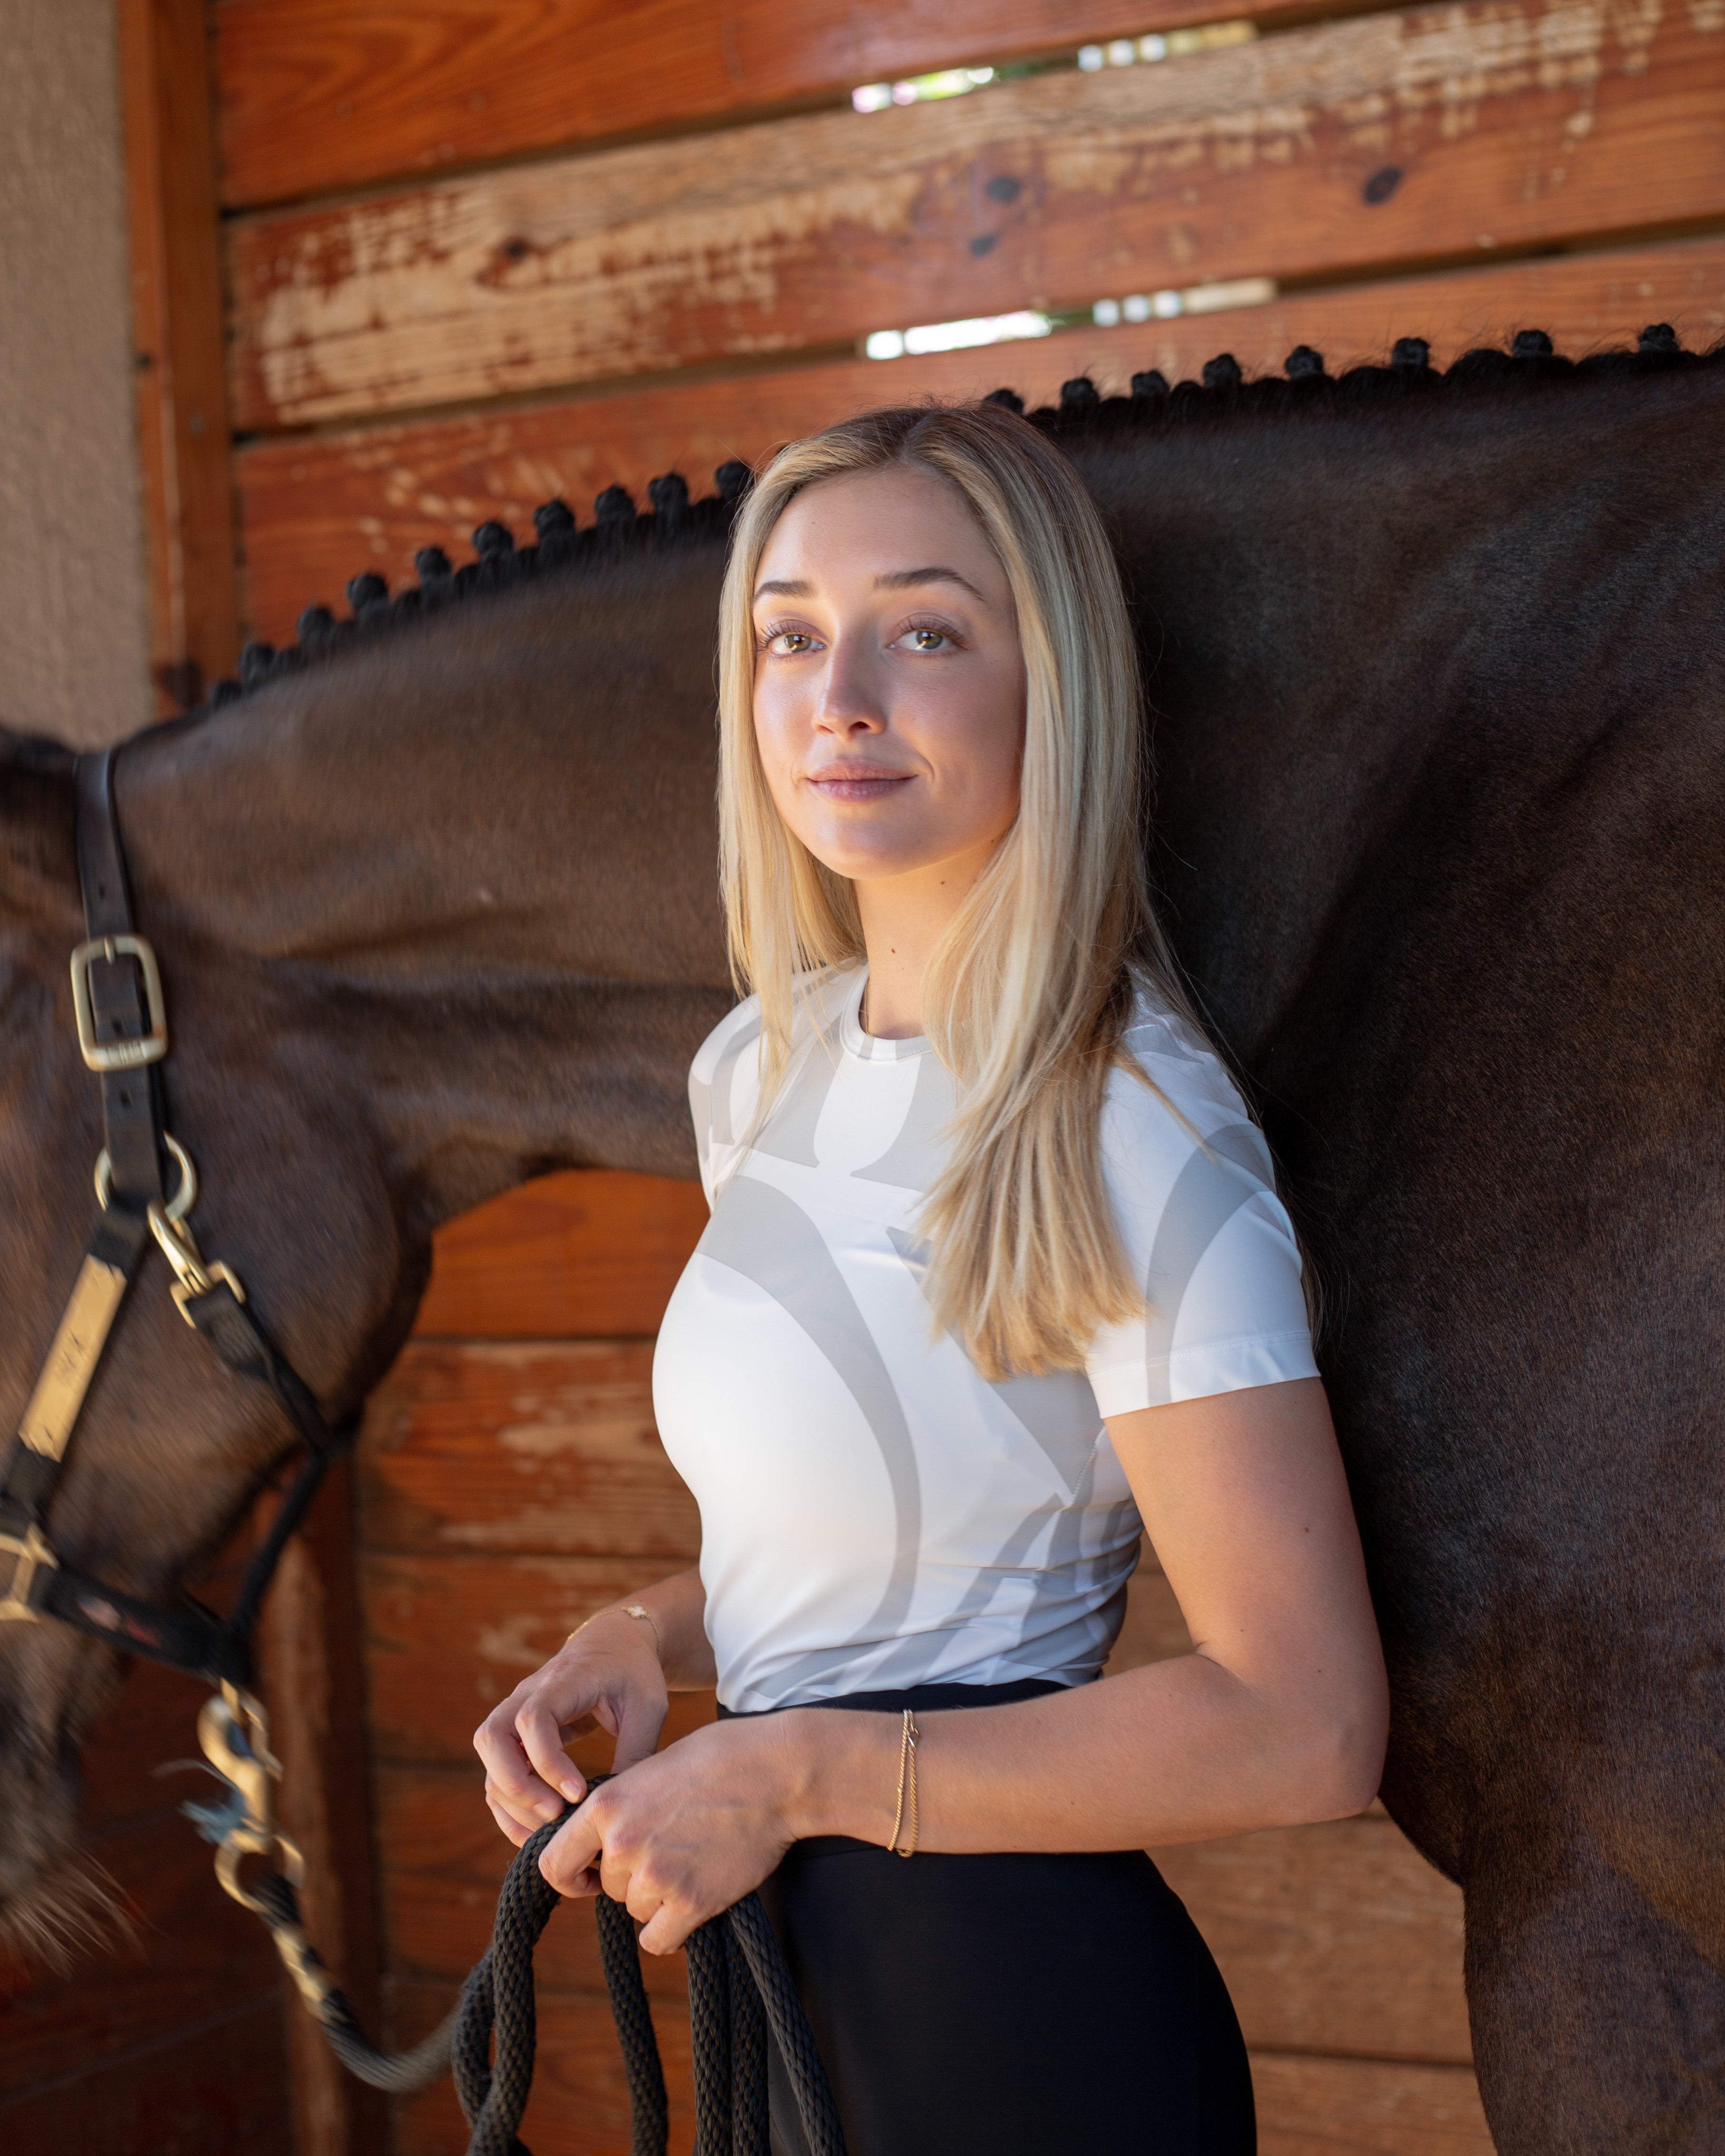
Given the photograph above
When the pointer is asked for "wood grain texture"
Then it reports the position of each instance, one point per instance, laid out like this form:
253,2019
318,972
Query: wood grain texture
194,1955
315,511
151,1721
448,1637
1392,139
1318,2106
442,1863
543,1448
178,343
310,1663
590,1253
322,95
215,2091
580,2103
1338,1939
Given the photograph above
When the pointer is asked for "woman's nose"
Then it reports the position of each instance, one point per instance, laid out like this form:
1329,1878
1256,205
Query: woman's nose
849,700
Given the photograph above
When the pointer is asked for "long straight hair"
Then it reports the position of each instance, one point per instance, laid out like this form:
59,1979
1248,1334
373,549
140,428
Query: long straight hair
1028,993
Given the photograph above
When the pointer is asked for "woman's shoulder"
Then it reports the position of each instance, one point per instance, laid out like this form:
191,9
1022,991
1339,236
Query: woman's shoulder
1191,1093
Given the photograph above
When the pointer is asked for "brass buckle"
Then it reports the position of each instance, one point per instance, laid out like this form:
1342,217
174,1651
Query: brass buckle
119,1054
30,1554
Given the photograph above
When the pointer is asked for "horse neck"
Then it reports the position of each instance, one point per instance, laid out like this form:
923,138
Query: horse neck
465,872
1378,635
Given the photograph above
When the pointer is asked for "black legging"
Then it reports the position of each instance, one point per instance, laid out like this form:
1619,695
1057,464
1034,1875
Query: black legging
1006,2005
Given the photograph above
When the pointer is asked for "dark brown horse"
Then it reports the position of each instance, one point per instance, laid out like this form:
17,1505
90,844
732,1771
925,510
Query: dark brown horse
1438,667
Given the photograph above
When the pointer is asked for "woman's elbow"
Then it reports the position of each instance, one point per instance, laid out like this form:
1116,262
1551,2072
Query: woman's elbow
1333,1764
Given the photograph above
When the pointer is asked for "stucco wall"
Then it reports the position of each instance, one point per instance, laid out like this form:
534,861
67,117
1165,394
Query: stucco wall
73,650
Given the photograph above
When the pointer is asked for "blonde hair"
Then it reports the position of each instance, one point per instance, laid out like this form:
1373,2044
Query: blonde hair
1028,992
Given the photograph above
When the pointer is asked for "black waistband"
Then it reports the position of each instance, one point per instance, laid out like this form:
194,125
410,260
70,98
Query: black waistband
921,1699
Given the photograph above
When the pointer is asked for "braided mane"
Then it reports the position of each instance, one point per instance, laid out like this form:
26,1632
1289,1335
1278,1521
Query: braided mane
675,519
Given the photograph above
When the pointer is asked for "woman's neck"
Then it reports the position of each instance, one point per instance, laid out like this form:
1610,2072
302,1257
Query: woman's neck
904,918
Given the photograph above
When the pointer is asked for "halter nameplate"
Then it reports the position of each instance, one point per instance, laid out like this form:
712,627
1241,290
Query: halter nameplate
54,1407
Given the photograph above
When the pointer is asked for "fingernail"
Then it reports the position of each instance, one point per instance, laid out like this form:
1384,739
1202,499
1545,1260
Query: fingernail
574,1791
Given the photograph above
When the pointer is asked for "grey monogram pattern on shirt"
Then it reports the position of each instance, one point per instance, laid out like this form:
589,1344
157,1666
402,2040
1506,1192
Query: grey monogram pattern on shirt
875,1513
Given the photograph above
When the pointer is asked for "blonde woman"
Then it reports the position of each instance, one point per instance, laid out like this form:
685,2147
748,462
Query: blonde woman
996,1278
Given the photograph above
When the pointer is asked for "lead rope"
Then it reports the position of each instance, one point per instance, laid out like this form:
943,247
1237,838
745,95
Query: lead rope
738,1987
738,1983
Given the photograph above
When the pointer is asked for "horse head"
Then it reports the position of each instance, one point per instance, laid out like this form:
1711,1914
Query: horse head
414,946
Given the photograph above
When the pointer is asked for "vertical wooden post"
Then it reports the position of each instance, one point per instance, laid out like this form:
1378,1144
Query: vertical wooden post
179,346
310,1646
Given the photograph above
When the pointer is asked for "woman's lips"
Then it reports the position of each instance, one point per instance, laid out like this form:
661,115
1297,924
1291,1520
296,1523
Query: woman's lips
856,782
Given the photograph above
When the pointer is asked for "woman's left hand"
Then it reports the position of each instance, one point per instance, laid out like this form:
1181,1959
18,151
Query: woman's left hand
682,1835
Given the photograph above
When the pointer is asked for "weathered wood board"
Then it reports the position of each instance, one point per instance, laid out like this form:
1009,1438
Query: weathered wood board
578,1256
322,94
448,1637
317,509
175,2030
546,1447
1391,139
1335,1938
443,1860
1317,2107
580,2104
213,2090
180,390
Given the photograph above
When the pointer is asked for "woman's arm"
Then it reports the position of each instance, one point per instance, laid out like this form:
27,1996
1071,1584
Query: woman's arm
615,1672
1278,1716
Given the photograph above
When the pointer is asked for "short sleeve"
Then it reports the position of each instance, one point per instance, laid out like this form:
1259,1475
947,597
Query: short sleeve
724,1079
1193,1192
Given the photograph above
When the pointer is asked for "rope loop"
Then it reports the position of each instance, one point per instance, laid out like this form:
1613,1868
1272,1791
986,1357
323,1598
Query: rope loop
738,1987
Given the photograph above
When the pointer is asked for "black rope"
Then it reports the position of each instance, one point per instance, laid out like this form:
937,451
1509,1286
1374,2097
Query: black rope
400,2072
738,1984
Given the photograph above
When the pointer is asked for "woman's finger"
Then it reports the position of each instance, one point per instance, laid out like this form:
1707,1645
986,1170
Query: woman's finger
667,1929
638,1728
512,1829
507,1771
555,1776
569,1862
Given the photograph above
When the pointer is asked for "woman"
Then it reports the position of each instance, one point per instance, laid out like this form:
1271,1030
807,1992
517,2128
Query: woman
995,1277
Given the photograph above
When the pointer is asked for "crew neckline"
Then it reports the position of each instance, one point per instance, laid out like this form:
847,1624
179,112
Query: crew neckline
870,1047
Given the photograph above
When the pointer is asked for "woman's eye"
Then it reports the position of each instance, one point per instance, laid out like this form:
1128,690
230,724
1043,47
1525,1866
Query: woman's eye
790,642
927,640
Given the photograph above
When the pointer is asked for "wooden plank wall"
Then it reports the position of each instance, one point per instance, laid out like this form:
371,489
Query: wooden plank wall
171,2038
480,253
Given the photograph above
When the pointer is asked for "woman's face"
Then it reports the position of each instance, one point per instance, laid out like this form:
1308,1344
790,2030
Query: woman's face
888,682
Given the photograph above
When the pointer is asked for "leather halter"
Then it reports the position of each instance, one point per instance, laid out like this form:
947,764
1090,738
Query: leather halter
122,1032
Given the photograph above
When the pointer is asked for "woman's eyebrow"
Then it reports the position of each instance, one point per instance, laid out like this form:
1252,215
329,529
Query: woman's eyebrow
792,587
899,580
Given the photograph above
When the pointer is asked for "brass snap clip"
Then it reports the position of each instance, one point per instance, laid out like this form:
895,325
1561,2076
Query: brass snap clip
234,1733
193,1275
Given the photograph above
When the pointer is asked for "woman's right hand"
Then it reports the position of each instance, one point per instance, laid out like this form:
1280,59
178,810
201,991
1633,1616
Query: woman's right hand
606,1675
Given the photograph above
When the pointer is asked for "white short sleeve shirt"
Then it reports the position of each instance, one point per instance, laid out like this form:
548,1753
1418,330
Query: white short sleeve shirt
875,1513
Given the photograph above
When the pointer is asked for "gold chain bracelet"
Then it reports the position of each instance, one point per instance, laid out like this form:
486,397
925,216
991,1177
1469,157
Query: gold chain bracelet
907,1786
623,1609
